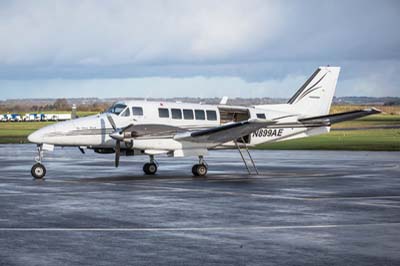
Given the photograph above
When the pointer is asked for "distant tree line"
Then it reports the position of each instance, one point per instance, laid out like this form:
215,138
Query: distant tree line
57,105
392,103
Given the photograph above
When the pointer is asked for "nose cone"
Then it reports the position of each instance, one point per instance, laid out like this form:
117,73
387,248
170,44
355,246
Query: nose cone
39,136
36,137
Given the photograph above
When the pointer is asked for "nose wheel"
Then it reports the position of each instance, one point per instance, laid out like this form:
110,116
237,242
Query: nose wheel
38,170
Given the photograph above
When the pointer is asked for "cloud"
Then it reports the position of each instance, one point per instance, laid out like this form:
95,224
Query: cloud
168,32
140,32
257,41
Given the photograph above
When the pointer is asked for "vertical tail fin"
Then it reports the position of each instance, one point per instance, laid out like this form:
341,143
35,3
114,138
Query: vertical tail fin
314,98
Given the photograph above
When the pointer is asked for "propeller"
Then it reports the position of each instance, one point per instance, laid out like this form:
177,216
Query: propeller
118,136
117,153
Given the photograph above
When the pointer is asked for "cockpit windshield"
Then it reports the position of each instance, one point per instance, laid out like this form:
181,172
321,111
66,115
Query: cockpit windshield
116,108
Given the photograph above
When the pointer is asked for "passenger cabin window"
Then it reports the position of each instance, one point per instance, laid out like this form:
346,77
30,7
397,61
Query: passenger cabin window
176,113
211,115
188,114
261,116
137,111
200,115
116,108
163,113
126,113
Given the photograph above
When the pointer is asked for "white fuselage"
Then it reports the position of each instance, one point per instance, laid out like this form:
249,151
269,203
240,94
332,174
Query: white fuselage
94,131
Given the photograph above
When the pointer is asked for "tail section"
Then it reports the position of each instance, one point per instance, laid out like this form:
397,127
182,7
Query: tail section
314,98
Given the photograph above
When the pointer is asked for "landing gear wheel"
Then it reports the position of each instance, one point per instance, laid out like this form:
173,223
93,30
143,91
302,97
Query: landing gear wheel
150,168
199,170
38,171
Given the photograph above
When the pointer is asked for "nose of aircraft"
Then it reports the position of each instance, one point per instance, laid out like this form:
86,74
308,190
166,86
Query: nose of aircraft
38,136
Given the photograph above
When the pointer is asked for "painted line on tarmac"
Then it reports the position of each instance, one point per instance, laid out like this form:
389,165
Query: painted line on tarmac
377,205
171,229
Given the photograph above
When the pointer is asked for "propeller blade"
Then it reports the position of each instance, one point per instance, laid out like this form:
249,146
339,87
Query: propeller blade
111,120
117,153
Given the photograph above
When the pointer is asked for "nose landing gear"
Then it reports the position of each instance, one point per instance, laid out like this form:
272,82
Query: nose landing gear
38,170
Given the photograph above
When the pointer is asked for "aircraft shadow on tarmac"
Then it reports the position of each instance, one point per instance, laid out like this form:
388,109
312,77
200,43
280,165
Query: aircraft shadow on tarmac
124,178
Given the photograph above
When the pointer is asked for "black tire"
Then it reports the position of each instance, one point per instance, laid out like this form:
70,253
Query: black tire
199,170
38,171
150,168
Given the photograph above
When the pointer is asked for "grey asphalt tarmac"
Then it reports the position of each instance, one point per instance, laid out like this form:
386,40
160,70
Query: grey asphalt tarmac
306,208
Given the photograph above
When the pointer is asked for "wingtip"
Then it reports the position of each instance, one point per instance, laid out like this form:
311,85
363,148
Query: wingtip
373,110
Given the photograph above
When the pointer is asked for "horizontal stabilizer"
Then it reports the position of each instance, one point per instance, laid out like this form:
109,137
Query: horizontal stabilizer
224,100
340,117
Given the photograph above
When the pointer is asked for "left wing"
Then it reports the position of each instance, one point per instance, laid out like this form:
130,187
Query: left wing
225,133
340,117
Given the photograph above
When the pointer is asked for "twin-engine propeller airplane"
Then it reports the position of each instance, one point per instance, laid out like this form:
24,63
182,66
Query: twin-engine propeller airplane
184,129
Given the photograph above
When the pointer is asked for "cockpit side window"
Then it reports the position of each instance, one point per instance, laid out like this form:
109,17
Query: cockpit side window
137,111
116,108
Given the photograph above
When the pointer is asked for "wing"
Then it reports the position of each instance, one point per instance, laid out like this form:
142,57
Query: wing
340,117
152,130
224,133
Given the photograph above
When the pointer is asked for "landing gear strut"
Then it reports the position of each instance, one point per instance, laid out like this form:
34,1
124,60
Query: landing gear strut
151,167
201,168
38,170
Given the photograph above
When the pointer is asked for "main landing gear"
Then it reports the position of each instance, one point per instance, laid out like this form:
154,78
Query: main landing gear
151,167
38,170
201,168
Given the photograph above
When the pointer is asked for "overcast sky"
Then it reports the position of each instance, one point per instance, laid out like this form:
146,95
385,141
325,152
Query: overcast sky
195,48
